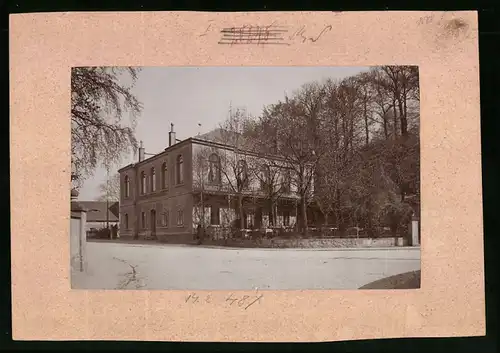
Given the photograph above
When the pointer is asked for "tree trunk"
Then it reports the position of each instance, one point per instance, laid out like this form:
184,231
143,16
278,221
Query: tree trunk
338,212
270,212
395,118
384,119
240,211
367,132
402,118
304,214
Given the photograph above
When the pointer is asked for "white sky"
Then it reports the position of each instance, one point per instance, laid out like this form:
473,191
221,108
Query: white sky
186,96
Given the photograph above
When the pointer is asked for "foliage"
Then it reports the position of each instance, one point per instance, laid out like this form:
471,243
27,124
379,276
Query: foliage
99,100
351,147
355,141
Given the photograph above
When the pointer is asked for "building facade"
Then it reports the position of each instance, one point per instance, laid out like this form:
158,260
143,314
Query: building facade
200,182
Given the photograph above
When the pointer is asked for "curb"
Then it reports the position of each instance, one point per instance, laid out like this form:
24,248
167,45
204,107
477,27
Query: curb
222,247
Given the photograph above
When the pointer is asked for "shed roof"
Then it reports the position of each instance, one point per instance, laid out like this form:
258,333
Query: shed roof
97,211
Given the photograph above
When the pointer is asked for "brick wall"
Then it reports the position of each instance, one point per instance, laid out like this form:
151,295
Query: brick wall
167,198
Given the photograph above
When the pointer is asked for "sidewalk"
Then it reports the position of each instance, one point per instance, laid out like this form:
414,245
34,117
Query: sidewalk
142,242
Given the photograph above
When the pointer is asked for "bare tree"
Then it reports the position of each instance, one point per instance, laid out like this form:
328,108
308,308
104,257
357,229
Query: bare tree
355,139
99,100
227,166
291,130
274,180
110,189
402,81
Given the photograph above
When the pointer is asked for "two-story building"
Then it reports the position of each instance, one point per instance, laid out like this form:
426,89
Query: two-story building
198,181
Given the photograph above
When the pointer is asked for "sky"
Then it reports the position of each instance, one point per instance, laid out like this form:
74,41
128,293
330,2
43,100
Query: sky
188,96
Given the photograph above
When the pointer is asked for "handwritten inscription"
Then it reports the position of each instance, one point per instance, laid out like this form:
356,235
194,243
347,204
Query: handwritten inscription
425,20
301,34
244,301
206,31
272,34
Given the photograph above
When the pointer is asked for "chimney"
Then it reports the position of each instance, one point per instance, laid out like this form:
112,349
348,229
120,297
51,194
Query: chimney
171,135
141,152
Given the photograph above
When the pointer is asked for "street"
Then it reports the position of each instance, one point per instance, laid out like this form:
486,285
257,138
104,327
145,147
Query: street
181,267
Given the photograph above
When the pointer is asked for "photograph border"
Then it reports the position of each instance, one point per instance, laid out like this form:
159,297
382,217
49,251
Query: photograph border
61,189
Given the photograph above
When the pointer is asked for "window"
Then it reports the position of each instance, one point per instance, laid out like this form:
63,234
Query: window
242,177
165,218
125,221
214,216
143,220
153,180
214,172
180,218
286,219
287,181
143,183
164,176
127,186
264,177
180,169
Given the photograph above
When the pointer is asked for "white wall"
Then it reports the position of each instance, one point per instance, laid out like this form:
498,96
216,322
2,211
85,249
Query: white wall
78,244
74,244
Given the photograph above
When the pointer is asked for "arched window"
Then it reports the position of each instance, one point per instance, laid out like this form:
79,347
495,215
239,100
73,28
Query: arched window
287,181
165,218
265,174
153,179
214,172
179,169
125,221
127,186
143,183
164,175
242,176
180,218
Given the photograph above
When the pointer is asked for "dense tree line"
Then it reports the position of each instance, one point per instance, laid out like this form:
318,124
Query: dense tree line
357,139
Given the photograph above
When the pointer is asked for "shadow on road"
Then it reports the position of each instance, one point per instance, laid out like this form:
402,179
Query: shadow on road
408,280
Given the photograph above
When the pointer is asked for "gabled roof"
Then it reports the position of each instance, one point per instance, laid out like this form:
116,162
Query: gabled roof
97,211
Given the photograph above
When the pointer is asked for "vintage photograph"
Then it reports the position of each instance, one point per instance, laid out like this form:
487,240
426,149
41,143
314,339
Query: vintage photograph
244,178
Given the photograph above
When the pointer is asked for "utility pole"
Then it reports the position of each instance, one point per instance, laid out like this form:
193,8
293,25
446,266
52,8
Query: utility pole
202,196
107,199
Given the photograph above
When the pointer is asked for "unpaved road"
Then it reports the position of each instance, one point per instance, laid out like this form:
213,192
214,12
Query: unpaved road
134,266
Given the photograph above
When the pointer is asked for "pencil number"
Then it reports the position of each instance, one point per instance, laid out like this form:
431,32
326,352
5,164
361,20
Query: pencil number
244,301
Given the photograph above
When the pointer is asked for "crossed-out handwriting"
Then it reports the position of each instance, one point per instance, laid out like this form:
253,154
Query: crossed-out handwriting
239,301
272,34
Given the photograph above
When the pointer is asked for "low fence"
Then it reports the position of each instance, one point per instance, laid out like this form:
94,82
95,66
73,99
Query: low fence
311,243
335,243
224,232
288,238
